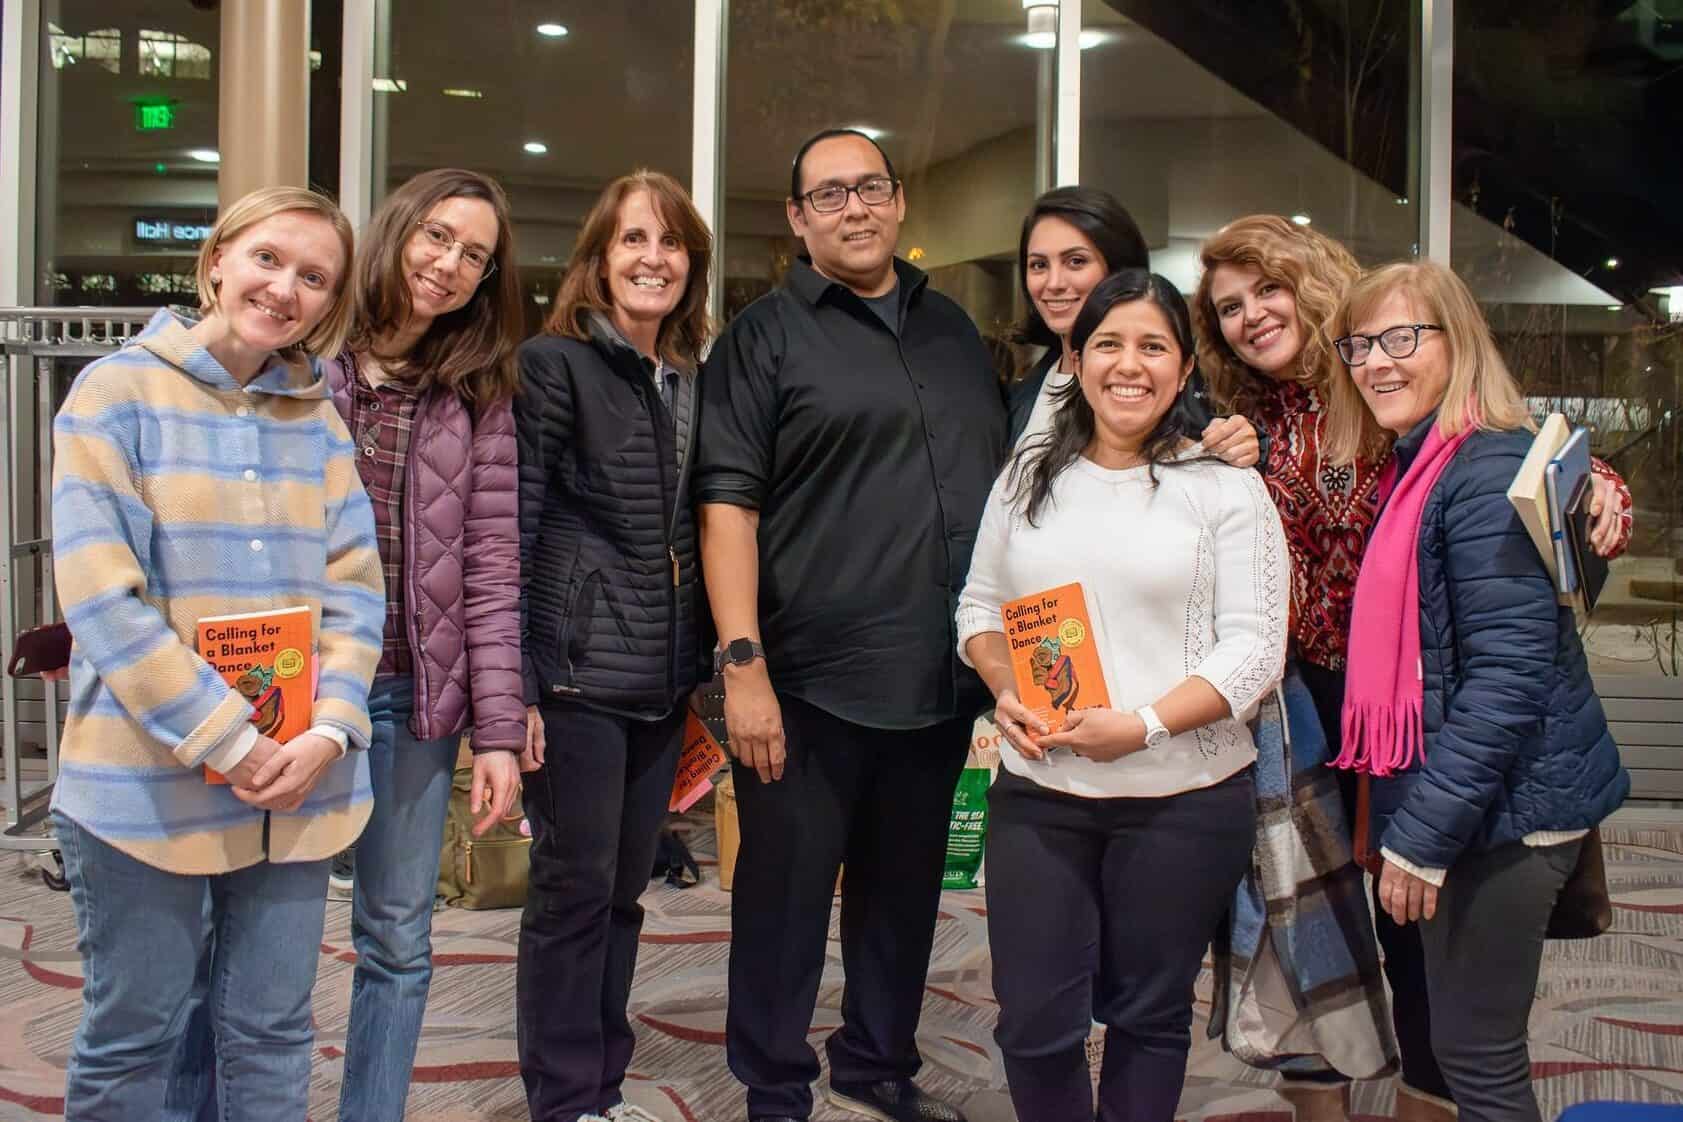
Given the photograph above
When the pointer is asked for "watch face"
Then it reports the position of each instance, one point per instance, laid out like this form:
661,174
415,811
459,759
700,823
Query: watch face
741,650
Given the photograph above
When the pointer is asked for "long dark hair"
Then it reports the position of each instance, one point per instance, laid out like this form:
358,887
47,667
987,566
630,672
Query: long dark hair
470,351
1038,463
1105,222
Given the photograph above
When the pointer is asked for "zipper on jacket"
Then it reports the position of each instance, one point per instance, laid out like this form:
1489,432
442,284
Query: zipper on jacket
423,693
659,416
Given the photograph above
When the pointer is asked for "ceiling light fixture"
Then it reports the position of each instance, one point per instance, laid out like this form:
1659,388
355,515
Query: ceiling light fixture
206,155
1615,307
1402,200
1612,262
1301,219
552,30
462,91
536,147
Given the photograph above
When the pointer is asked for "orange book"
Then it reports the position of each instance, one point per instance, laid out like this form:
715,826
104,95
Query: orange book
698,761
269,657
1054,654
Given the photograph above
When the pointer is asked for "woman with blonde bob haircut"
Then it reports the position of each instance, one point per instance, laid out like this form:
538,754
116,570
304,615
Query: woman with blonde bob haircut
325,337
614,616
200,471
1468,699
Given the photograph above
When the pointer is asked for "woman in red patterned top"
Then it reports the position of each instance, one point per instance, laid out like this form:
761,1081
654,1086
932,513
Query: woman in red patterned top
1269,289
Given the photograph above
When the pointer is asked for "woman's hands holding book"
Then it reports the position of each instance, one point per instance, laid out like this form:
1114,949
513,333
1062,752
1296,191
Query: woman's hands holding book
1018,724
1101,735
244,773
288,775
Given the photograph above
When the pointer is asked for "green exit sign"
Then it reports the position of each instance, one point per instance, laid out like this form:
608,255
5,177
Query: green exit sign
148,118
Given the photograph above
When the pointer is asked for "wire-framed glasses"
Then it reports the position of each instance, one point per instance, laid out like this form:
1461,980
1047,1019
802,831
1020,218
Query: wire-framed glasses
475,259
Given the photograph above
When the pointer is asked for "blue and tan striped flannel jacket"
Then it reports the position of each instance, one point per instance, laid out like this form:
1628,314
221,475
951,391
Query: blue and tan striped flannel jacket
178,494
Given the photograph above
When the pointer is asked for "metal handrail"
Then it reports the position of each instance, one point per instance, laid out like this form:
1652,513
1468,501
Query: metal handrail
31,339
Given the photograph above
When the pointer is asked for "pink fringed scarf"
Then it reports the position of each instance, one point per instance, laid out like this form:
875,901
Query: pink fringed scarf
1383,689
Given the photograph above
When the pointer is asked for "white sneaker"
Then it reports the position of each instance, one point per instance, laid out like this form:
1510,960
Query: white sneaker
630,1112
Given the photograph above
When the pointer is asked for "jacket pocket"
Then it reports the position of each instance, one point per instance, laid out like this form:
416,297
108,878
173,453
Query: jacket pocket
572,637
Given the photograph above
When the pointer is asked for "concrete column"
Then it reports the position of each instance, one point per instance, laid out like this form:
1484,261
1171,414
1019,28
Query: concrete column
264,96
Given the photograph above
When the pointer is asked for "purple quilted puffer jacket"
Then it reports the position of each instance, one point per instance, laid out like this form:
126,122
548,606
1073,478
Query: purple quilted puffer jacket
461,568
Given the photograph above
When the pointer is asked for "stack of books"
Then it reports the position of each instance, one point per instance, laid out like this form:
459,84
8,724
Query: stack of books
1552,493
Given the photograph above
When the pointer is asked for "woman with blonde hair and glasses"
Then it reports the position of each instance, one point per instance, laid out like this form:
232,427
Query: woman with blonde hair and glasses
613,622
426,384
1268,292
1468,698
202,470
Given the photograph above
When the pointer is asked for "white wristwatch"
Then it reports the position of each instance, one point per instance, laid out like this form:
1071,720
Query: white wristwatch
1155,732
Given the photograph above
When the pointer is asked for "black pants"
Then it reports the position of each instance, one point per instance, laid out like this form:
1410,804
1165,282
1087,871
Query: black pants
596,807
1102,909
880,800
1404,957
1483,951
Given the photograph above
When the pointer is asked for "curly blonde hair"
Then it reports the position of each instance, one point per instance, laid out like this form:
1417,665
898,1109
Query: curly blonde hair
1317,270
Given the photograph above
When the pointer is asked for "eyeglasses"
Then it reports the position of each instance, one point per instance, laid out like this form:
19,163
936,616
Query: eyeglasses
1398,342
875,191
475,259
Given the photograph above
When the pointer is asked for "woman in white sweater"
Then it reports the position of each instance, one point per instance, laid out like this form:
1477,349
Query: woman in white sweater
1116,843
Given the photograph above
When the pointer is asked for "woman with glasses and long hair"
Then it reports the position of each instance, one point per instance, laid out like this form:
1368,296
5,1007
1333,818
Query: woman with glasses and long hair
1268,292
613,622
425,384
1468,698
1115,844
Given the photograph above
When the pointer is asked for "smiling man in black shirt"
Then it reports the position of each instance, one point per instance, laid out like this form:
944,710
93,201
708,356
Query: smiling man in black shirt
851,427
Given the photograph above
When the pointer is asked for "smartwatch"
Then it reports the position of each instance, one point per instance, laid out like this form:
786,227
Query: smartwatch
737,652
1155,731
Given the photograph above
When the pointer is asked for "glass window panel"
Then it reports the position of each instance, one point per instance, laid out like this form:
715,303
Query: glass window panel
962,103
1197,112
1568,230
555,117
116,184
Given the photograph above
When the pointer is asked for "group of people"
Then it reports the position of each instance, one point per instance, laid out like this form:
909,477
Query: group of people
549,544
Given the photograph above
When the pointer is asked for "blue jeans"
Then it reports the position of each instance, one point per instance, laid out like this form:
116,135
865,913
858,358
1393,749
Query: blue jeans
141,932
391,906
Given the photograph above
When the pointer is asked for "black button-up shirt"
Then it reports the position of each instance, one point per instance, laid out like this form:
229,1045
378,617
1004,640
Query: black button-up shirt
869,456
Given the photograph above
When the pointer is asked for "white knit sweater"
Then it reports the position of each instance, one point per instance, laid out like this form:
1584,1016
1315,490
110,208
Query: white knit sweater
1188,577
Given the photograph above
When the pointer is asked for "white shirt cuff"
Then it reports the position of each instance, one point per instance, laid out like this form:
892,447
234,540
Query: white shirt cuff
234,747
335,734
1433,877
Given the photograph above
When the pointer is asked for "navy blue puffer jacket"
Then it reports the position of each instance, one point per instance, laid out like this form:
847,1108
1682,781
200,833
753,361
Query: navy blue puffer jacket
1516,740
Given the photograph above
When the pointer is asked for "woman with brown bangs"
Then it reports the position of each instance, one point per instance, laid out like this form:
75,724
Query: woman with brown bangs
613,620
1268,294
426,385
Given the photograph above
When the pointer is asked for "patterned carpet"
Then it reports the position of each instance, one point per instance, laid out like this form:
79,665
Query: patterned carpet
1608,1022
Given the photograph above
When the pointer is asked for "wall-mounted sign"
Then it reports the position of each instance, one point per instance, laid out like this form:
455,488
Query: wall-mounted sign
169,233
149,118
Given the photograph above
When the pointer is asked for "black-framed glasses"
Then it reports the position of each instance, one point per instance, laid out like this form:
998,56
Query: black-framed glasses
875,191
1398,342
475,259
